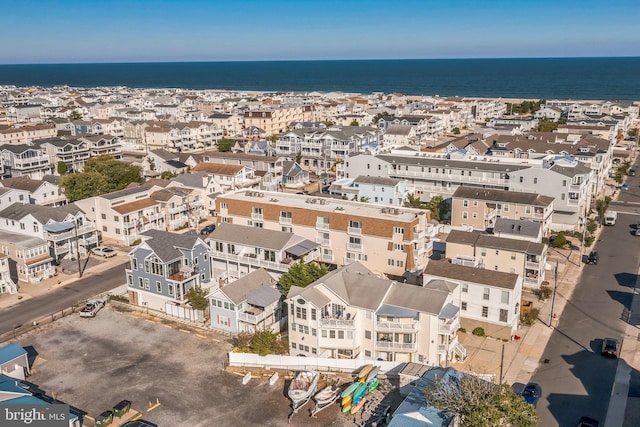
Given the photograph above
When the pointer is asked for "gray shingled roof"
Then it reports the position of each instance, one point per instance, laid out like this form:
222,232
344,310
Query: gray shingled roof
533,199
425,300
22,183
44,214
194,179
165,244
377,180
239,290
488,241
460,164
125,192
517,227
251,236
481,276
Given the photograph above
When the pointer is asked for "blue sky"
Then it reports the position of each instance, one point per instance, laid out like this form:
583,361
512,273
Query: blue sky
71,31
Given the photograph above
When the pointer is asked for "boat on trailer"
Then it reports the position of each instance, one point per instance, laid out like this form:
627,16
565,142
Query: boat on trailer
325,397
301,389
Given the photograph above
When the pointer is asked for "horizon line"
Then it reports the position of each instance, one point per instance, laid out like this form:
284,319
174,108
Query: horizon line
320,60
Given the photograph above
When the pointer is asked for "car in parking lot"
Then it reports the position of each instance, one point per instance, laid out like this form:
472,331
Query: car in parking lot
610,347
593,258
103,251
624,187
207,229
631,172
588,422
531,393
91,308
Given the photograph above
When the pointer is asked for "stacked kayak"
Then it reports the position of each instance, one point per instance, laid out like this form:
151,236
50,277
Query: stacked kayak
354,396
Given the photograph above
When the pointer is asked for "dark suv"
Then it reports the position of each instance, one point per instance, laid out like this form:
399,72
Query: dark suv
610,347
593,258
208,229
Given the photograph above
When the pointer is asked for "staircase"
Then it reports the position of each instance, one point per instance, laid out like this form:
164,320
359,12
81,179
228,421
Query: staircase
460,351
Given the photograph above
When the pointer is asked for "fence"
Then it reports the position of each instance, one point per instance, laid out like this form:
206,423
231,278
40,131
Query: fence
37,323
200,323
294,363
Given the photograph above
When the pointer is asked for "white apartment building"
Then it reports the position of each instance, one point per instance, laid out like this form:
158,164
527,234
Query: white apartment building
33,191
386,240
26,134
487,298
24,160
353,313
373,189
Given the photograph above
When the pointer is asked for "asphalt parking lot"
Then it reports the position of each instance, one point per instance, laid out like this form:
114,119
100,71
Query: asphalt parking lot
92,364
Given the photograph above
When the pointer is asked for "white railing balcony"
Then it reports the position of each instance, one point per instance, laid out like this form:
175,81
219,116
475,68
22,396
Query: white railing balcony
338,323
354,231
396,346
397,326
257,216
347,260
356,247
327,258
449,328
539,215
83,229
178,209
323,241
532,265
491,215
322,225
573,202
252,318
155,216
284,220
575,187
533,281
418,235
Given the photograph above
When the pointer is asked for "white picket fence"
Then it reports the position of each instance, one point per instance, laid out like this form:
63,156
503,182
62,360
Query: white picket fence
295,363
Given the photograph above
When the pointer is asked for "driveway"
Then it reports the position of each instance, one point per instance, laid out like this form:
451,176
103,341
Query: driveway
92,364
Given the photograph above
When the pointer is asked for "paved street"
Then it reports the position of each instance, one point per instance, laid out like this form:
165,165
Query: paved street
576,380
60,298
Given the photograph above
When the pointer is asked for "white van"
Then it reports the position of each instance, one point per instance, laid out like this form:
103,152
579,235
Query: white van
610,217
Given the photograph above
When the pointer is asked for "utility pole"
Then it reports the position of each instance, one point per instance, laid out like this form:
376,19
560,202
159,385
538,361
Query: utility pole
501,362
553,296
75,229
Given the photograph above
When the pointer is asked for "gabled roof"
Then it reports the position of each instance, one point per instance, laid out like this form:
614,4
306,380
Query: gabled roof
517,227
239,290
165,244
217,168
494,242
167,193
10,352
445,269
194,179
253,236
503,196
43,214
22,183
377,180
135,206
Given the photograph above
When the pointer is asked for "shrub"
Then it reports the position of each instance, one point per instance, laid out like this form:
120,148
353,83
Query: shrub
463,330
531,317
479,332
136,242
560,241
544,292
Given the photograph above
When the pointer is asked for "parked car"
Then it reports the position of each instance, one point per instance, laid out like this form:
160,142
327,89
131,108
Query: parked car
624,187
631,172
139,423
615,161
610,347
593,258
103,251
531,393
588,422
207,229
91,308
637,230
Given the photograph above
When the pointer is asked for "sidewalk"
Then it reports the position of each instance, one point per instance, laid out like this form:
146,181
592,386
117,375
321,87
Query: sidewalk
27,291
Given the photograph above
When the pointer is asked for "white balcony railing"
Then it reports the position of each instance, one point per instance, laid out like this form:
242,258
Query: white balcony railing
449,328
284,220
322,226
252,318
259,262
397,326
257,216
356,247
347,260
354,231
323,241
338,323
327,258
531,265
396,346
83,229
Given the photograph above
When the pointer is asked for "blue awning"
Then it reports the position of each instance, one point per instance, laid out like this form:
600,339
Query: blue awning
59,227
394,311
449,311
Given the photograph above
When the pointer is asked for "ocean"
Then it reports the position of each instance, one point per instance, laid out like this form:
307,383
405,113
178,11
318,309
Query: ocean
540,78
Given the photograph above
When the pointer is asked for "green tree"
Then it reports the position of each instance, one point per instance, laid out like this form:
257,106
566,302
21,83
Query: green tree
78,186
62,168
75,115
546,125
592,226
302,274
298,158
560,240
438,207
354,122
479,403
455,131
272,138
379,116
167,175
413,201
633,133
198,298
152,164
262,341
102,174
365,199
224,145
601,207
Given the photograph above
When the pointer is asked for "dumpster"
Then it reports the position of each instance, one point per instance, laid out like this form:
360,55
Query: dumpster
121,408
104,419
